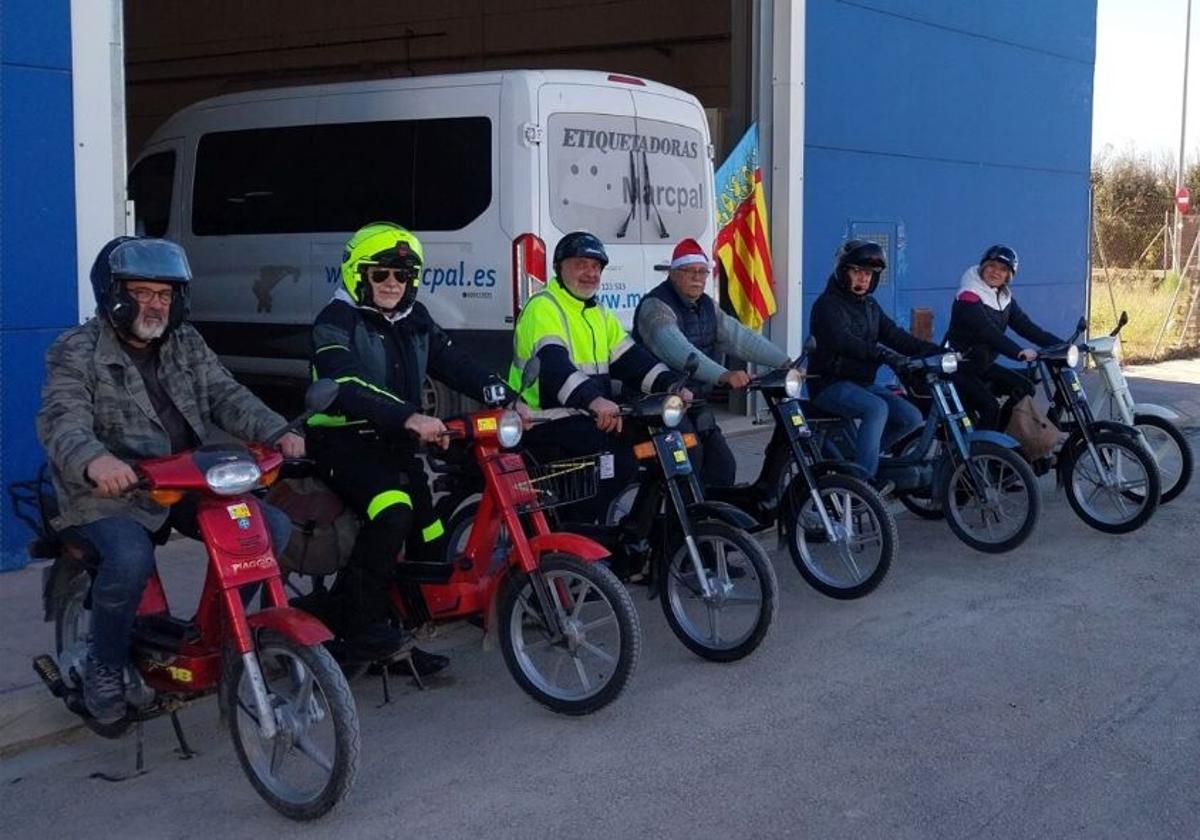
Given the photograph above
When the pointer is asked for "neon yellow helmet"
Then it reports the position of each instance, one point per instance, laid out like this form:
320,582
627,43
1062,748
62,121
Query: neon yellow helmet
386,245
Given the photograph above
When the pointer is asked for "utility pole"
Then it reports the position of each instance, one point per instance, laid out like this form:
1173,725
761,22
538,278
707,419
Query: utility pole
1178,238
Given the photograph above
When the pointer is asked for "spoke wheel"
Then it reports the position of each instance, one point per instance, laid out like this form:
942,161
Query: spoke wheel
309,766
72,633
731,621
864,542
585,667
1172,452
1117,495
1005,514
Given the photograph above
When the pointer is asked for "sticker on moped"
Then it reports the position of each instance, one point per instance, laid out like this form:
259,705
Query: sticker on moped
608,466
797,420
486,424
239,511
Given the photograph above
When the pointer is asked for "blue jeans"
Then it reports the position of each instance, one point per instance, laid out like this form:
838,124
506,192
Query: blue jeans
126,560
884,417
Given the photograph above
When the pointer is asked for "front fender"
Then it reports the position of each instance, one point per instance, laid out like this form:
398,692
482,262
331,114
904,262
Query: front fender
722,511
989,436
576,545
1155,410
290,622
1114,426
849,468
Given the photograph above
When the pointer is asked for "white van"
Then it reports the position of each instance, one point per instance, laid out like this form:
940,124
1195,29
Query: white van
489,169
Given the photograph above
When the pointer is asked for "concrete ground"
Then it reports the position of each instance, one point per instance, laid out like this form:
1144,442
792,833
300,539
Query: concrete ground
1051,692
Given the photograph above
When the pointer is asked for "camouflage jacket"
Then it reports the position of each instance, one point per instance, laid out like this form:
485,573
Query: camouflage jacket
95,402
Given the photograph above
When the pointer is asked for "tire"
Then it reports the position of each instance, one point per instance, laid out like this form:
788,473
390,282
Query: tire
621,505
1172,452
1014,472
72,621
523,634
851,504
924,506
280,658
1079,469
679,585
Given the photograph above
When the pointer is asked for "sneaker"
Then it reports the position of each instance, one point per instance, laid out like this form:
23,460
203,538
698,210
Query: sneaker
103,692
376,642
424,663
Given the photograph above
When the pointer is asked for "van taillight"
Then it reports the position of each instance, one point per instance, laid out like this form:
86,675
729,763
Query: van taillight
528,265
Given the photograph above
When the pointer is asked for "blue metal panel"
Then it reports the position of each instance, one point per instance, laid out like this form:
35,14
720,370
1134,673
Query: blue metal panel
36,33
964,124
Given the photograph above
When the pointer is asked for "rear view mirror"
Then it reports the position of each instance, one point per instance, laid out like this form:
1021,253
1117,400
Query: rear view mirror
1124,319
811,344
1082,325
320,395
530,374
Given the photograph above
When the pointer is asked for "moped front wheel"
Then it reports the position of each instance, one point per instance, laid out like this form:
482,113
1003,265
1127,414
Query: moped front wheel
729,621
1171,450
1003,515
586,662
310,764
1121,492
856,558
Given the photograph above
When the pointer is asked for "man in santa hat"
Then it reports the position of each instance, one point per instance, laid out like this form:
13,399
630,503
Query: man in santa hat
676,319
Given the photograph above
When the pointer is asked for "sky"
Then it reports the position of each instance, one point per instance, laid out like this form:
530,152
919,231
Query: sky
1139,77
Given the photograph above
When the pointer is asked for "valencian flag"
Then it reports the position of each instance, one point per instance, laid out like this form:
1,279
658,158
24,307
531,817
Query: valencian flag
743,246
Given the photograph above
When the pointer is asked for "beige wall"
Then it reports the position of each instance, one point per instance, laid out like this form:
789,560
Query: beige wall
181,51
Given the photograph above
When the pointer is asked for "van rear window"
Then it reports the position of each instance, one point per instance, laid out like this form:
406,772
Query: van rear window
629,180
424,174
150,185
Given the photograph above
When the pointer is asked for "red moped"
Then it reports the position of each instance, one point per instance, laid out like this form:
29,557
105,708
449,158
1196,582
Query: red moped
291,714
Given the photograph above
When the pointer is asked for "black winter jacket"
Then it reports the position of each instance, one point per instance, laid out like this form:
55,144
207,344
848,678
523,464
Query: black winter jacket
977,326
854,337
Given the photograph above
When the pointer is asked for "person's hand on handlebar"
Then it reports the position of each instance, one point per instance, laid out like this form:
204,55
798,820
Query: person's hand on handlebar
111,475
896,361
734,379
428,429
1028,355
291,445
607,413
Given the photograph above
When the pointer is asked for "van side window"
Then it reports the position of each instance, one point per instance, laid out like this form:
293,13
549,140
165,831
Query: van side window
427,175
150,187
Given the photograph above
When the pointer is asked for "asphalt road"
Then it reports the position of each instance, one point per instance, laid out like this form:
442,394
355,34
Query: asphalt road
1052,692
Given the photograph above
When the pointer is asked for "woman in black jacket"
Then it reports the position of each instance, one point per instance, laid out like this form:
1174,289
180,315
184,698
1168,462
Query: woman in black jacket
983,311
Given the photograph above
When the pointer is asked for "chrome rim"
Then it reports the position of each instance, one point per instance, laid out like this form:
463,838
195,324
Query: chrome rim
729,614
1002,510
1166,454
852,553
580,663
1112,491
297,764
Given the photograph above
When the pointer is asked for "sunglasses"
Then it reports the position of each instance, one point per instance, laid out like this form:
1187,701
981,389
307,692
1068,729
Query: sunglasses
379,276
144,296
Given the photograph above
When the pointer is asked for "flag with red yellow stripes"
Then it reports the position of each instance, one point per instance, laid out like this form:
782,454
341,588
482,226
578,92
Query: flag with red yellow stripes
743,245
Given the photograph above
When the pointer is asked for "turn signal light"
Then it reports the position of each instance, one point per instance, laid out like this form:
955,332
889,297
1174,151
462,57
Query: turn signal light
166,498
689,440
643,451
269,479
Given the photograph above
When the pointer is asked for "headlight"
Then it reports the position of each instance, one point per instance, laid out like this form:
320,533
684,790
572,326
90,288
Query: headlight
510,430
1072,356
672,411
949,363
233,478
793,381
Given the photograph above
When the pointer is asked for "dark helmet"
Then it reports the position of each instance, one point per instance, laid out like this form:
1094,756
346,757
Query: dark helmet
1001,254
862,253
139,258
579,244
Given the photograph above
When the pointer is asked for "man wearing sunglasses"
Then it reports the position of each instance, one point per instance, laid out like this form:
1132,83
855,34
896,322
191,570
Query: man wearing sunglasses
677,319
135,382
378,343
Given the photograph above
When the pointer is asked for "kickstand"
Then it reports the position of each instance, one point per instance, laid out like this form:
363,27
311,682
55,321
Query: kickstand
139,768
383,676
385,666
184,749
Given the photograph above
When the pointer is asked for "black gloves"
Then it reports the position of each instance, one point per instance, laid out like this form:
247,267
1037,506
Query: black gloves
896,361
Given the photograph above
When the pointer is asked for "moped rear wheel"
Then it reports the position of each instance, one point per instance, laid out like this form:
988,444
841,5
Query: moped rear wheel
310,764
1171,450
856,561
731,621
588,665
72,632
1006,514
1120,494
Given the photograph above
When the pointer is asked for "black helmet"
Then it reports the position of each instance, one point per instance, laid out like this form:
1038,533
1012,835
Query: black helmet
139,258
580,243
862,253
1001,254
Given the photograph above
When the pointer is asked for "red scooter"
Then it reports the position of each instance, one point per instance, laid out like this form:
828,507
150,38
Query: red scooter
291,715
568,630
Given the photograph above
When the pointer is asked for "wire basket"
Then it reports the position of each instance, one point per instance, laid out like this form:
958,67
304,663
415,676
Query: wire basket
552,484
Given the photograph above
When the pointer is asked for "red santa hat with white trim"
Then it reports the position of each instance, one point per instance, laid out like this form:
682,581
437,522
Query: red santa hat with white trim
687,252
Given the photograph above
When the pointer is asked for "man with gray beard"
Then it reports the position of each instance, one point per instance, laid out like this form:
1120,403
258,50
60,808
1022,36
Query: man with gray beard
132,383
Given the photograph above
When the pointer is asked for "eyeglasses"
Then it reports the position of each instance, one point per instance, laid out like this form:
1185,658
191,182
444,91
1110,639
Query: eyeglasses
379,276
143,296
695,273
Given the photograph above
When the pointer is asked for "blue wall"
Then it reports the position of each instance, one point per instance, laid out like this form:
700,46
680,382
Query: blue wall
956,125
38,286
